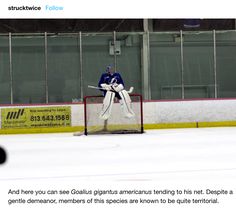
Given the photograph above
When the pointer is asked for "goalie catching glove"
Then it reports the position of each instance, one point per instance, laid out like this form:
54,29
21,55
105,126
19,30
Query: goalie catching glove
112,87
117,87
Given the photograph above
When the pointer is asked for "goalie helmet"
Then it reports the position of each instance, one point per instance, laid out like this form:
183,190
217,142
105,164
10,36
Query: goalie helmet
109,69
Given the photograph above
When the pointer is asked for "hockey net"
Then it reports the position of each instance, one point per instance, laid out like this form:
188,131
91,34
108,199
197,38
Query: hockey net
117,122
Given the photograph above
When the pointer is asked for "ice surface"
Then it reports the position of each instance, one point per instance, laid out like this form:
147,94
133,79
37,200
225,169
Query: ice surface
206,154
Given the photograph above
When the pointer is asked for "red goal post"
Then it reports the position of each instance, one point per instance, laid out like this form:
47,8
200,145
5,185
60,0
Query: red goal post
117,123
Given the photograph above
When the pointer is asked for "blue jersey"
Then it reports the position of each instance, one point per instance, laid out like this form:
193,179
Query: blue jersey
110,79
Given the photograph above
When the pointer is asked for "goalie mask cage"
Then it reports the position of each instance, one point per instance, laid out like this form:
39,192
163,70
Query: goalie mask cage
117,123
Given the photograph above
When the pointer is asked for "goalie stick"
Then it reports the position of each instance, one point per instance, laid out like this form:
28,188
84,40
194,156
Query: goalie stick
95,87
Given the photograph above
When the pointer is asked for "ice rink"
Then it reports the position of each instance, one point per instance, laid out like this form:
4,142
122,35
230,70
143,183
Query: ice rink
166,157
157,155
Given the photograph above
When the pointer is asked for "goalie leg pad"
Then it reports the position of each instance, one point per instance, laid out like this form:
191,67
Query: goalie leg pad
126,104
107,105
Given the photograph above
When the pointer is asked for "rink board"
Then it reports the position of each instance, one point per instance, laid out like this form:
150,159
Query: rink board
157,115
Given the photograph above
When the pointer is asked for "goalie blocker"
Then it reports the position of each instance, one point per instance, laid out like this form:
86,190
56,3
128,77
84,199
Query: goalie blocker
110,119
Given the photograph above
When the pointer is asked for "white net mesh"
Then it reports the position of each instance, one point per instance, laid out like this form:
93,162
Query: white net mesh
117,122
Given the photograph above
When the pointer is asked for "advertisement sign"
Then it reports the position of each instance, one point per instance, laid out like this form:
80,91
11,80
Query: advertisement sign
36,117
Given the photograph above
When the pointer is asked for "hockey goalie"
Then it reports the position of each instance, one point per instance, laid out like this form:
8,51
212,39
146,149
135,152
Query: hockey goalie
112,86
